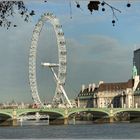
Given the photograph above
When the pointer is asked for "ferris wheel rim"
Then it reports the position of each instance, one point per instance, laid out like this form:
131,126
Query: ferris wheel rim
33,51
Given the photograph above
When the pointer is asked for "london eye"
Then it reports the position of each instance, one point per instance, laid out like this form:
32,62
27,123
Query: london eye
60,96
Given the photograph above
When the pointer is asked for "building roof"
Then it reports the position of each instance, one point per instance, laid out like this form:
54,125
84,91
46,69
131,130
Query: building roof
138,50
116,86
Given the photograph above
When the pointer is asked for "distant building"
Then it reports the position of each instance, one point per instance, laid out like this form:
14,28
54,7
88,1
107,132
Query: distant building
136,60
13,104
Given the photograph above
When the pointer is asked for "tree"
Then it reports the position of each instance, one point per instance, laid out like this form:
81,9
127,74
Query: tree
7,10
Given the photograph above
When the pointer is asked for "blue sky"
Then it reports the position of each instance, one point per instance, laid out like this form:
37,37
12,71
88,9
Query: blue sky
96,51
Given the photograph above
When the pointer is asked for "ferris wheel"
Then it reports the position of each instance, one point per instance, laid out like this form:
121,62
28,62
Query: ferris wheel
60,97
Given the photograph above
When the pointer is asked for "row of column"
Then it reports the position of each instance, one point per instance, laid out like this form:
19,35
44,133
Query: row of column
124,101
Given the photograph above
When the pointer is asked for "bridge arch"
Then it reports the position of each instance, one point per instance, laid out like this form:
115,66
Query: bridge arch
128,114
76,110
6,114
41,111
126,110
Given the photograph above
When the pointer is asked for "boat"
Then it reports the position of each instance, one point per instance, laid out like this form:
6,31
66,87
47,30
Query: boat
36,119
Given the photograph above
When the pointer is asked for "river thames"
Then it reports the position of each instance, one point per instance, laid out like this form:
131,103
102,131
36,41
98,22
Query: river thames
96,131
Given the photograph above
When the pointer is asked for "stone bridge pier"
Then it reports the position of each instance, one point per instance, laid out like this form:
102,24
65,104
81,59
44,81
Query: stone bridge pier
111,116
14,118
66,117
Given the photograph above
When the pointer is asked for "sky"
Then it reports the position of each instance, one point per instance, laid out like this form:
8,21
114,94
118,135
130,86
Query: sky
96,50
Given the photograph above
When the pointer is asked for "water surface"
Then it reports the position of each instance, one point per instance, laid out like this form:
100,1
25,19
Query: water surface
105,131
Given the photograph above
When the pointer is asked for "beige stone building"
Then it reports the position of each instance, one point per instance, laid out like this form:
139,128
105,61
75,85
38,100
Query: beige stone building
117,95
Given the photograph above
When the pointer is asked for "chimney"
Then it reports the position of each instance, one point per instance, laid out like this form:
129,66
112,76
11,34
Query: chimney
101,82
83,88
89,87
93,86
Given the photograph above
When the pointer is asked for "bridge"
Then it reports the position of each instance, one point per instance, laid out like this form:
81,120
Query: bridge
64,113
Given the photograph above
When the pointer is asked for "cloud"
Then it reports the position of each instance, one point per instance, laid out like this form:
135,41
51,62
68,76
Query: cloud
104,58
99,47
93,54
14,48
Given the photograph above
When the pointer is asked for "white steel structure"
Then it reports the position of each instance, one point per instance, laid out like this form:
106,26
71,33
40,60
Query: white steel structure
60,98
